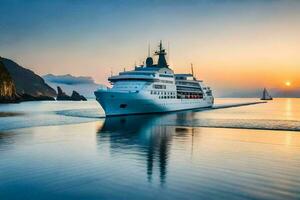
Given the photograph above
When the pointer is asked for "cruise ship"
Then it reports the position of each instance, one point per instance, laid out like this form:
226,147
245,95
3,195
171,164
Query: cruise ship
153,88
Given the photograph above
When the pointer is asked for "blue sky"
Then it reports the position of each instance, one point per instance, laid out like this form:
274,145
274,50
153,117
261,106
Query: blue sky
92,37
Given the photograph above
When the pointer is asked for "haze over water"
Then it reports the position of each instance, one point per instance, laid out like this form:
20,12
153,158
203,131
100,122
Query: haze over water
66,151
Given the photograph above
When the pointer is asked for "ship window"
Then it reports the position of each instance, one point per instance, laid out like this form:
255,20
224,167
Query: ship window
165,81
159,86
123,105
137,73
166,75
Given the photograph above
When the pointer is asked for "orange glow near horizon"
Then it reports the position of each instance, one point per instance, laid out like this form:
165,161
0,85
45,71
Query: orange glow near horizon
235,46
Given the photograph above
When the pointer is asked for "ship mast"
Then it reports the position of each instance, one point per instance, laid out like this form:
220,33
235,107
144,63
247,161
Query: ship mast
149,50
161,56
192,69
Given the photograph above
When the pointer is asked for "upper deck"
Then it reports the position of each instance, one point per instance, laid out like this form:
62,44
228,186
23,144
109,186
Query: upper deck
144,73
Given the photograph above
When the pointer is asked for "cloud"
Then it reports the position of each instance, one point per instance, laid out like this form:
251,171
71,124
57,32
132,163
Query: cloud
82,84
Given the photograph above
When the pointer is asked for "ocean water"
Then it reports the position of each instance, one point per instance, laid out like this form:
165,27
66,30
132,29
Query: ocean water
69,150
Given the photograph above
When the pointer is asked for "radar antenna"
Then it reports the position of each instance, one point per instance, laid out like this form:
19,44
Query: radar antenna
168,57
149,50
161,56
192,69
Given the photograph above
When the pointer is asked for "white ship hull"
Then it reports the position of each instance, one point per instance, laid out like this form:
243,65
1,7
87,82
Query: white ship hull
127,103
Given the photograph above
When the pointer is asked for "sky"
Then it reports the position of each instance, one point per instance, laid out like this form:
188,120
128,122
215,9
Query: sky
236,46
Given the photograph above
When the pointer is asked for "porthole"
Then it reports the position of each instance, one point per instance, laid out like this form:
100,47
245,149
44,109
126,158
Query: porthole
123,105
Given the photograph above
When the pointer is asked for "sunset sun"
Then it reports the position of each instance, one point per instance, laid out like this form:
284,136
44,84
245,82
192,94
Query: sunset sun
288,83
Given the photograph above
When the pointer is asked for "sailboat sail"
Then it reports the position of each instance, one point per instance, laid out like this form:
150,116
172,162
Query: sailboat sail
266,95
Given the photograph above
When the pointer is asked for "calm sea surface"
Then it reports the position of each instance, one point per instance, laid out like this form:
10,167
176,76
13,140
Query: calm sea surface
68,150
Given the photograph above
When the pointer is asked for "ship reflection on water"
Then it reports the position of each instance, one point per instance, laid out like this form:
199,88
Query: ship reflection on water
147,134
183,159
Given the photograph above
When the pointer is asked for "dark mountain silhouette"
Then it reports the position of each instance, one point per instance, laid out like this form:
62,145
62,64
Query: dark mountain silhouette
7,87
26,81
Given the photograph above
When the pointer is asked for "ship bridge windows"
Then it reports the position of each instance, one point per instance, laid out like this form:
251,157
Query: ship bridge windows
166,75
137,73
122,79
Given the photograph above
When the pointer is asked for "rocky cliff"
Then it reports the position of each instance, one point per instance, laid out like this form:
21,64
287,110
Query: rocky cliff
62,96
26,81
7,86
77,97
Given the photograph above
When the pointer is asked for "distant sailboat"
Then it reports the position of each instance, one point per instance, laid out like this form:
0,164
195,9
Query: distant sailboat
266,95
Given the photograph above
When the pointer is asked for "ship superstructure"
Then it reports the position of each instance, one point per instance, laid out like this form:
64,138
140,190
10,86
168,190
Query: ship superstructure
153,88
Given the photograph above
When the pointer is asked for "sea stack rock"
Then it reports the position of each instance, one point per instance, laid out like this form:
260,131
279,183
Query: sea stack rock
7,87
61,95
77,97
